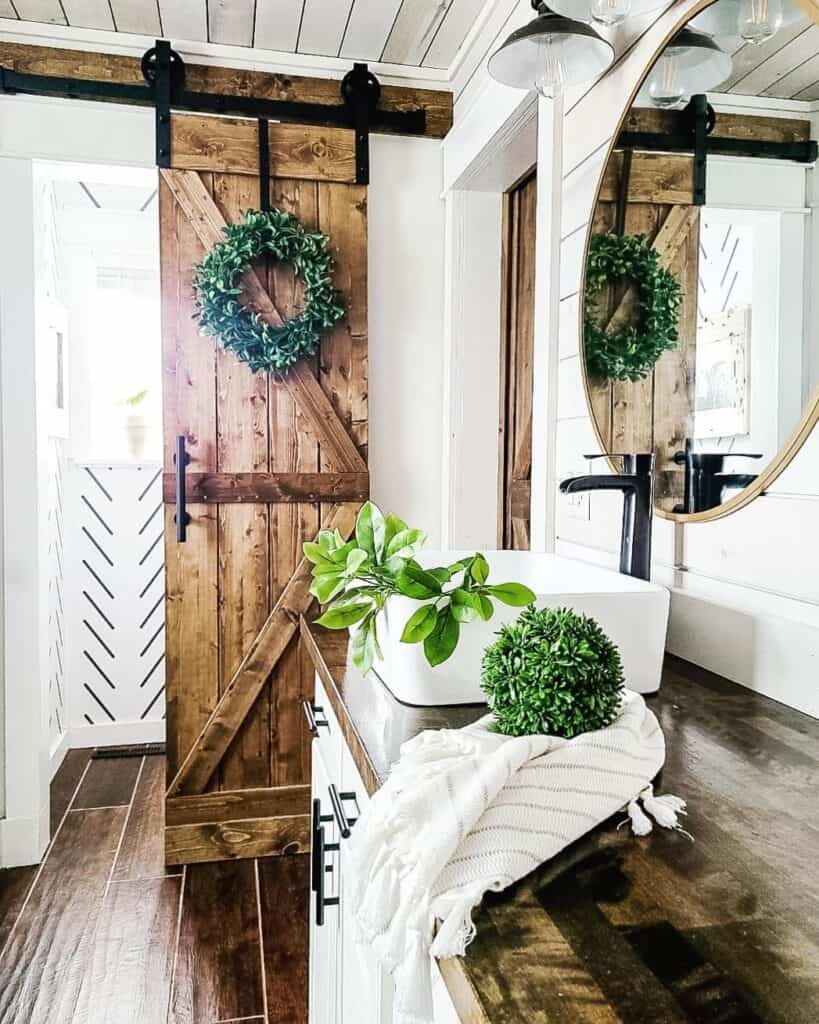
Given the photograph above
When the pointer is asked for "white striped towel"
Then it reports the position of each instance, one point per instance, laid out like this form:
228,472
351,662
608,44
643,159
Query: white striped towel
467,811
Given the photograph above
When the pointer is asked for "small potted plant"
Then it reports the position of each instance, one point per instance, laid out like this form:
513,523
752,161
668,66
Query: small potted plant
136,425
552,672
375,586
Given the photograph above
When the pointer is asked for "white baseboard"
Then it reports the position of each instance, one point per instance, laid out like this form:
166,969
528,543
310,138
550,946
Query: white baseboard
23,841
58,752
117,734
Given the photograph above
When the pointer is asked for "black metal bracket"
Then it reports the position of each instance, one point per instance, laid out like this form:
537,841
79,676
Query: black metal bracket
164,89
694,134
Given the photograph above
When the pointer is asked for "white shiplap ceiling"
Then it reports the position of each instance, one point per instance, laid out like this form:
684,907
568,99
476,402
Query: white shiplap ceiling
411,33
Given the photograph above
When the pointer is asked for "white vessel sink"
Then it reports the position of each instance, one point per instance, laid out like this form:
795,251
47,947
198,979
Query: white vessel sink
634,614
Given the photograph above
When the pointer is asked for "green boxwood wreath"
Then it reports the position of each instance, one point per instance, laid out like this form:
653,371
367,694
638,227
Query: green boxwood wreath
630,353
280,236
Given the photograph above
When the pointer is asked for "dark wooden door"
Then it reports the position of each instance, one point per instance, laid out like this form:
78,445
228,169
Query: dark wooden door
271,460
517,346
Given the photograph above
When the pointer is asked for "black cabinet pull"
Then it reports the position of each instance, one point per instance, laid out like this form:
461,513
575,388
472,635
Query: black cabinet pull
181,458
311,713
322,901
344,822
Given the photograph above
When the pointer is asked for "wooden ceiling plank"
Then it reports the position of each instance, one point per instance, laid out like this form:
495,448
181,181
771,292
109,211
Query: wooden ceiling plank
414,29
184,19
779,64
453,30
48,11
140,17
89,14
277,25
230,22
63,63
368,29
795,81
322,26
750,57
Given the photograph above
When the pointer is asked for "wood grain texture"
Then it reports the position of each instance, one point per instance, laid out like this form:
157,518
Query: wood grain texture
128,979
218,971
285,884
56,929
517,353
65,782
236,839
659,929
231,145
142,854
243,803
66,63
269,488
654,178
109,782
728,126
259,661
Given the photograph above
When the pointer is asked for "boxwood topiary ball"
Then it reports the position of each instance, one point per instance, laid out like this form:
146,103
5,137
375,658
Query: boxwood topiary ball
552,671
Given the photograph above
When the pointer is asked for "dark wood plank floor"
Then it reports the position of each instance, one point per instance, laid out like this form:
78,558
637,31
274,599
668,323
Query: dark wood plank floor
102,933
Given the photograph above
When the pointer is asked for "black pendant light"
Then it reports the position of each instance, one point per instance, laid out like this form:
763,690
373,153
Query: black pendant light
550,54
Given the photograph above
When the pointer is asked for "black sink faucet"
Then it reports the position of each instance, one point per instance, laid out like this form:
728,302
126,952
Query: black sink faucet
637,484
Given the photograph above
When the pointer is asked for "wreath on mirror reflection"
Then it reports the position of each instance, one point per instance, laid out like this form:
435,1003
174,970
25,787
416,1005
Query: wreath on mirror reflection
278,236
629,352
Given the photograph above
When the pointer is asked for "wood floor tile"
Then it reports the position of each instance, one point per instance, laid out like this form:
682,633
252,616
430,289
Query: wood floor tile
128,980
44,962
284,884
143,848
65,781
219,968
109,782
14,886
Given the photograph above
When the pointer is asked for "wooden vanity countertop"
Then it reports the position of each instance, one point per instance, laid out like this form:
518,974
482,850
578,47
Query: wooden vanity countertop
658,930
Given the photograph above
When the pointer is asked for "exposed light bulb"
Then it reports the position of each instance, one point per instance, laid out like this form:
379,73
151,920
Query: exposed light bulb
759,20
551,77
610,12
665,86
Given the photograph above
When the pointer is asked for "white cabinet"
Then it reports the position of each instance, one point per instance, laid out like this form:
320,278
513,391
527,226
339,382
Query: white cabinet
347,985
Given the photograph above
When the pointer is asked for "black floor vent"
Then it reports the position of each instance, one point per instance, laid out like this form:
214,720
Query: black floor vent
135,750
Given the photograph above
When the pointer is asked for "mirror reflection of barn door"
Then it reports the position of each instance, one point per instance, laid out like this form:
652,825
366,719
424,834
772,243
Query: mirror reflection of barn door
269,461
517,346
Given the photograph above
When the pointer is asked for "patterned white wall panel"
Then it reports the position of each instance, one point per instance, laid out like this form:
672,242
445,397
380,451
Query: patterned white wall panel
116,594
57,700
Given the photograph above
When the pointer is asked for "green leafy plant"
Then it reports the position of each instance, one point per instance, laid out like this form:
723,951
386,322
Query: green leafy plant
133,401
631,352
354,579
280,236
552,671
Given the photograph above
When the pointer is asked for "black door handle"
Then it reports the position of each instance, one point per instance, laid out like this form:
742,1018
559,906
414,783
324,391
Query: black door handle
322,870
311,713
337,803
181,459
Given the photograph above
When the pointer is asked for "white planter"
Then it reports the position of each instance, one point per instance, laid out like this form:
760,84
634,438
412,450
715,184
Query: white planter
634,614
136,433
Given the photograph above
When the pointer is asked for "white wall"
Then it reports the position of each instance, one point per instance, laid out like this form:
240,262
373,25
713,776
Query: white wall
745,596
406,303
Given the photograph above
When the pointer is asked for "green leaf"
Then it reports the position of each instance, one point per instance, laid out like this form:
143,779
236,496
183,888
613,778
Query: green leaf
370,531
420,624
355,559
484,606
480,569
339,554
363,645
405,543
443,640
315,553
393,525
327,586
345,616
464,606
441,573
514,594
413,581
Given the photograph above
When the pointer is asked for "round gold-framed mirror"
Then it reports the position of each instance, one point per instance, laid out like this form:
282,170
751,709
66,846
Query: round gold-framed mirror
699,332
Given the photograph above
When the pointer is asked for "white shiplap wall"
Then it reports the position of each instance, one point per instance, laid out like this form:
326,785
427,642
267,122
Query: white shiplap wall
745,588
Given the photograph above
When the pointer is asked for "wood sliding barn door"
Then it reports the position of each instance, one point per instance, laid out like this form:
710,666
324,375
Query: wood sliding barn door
517,346
655,413
271,460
